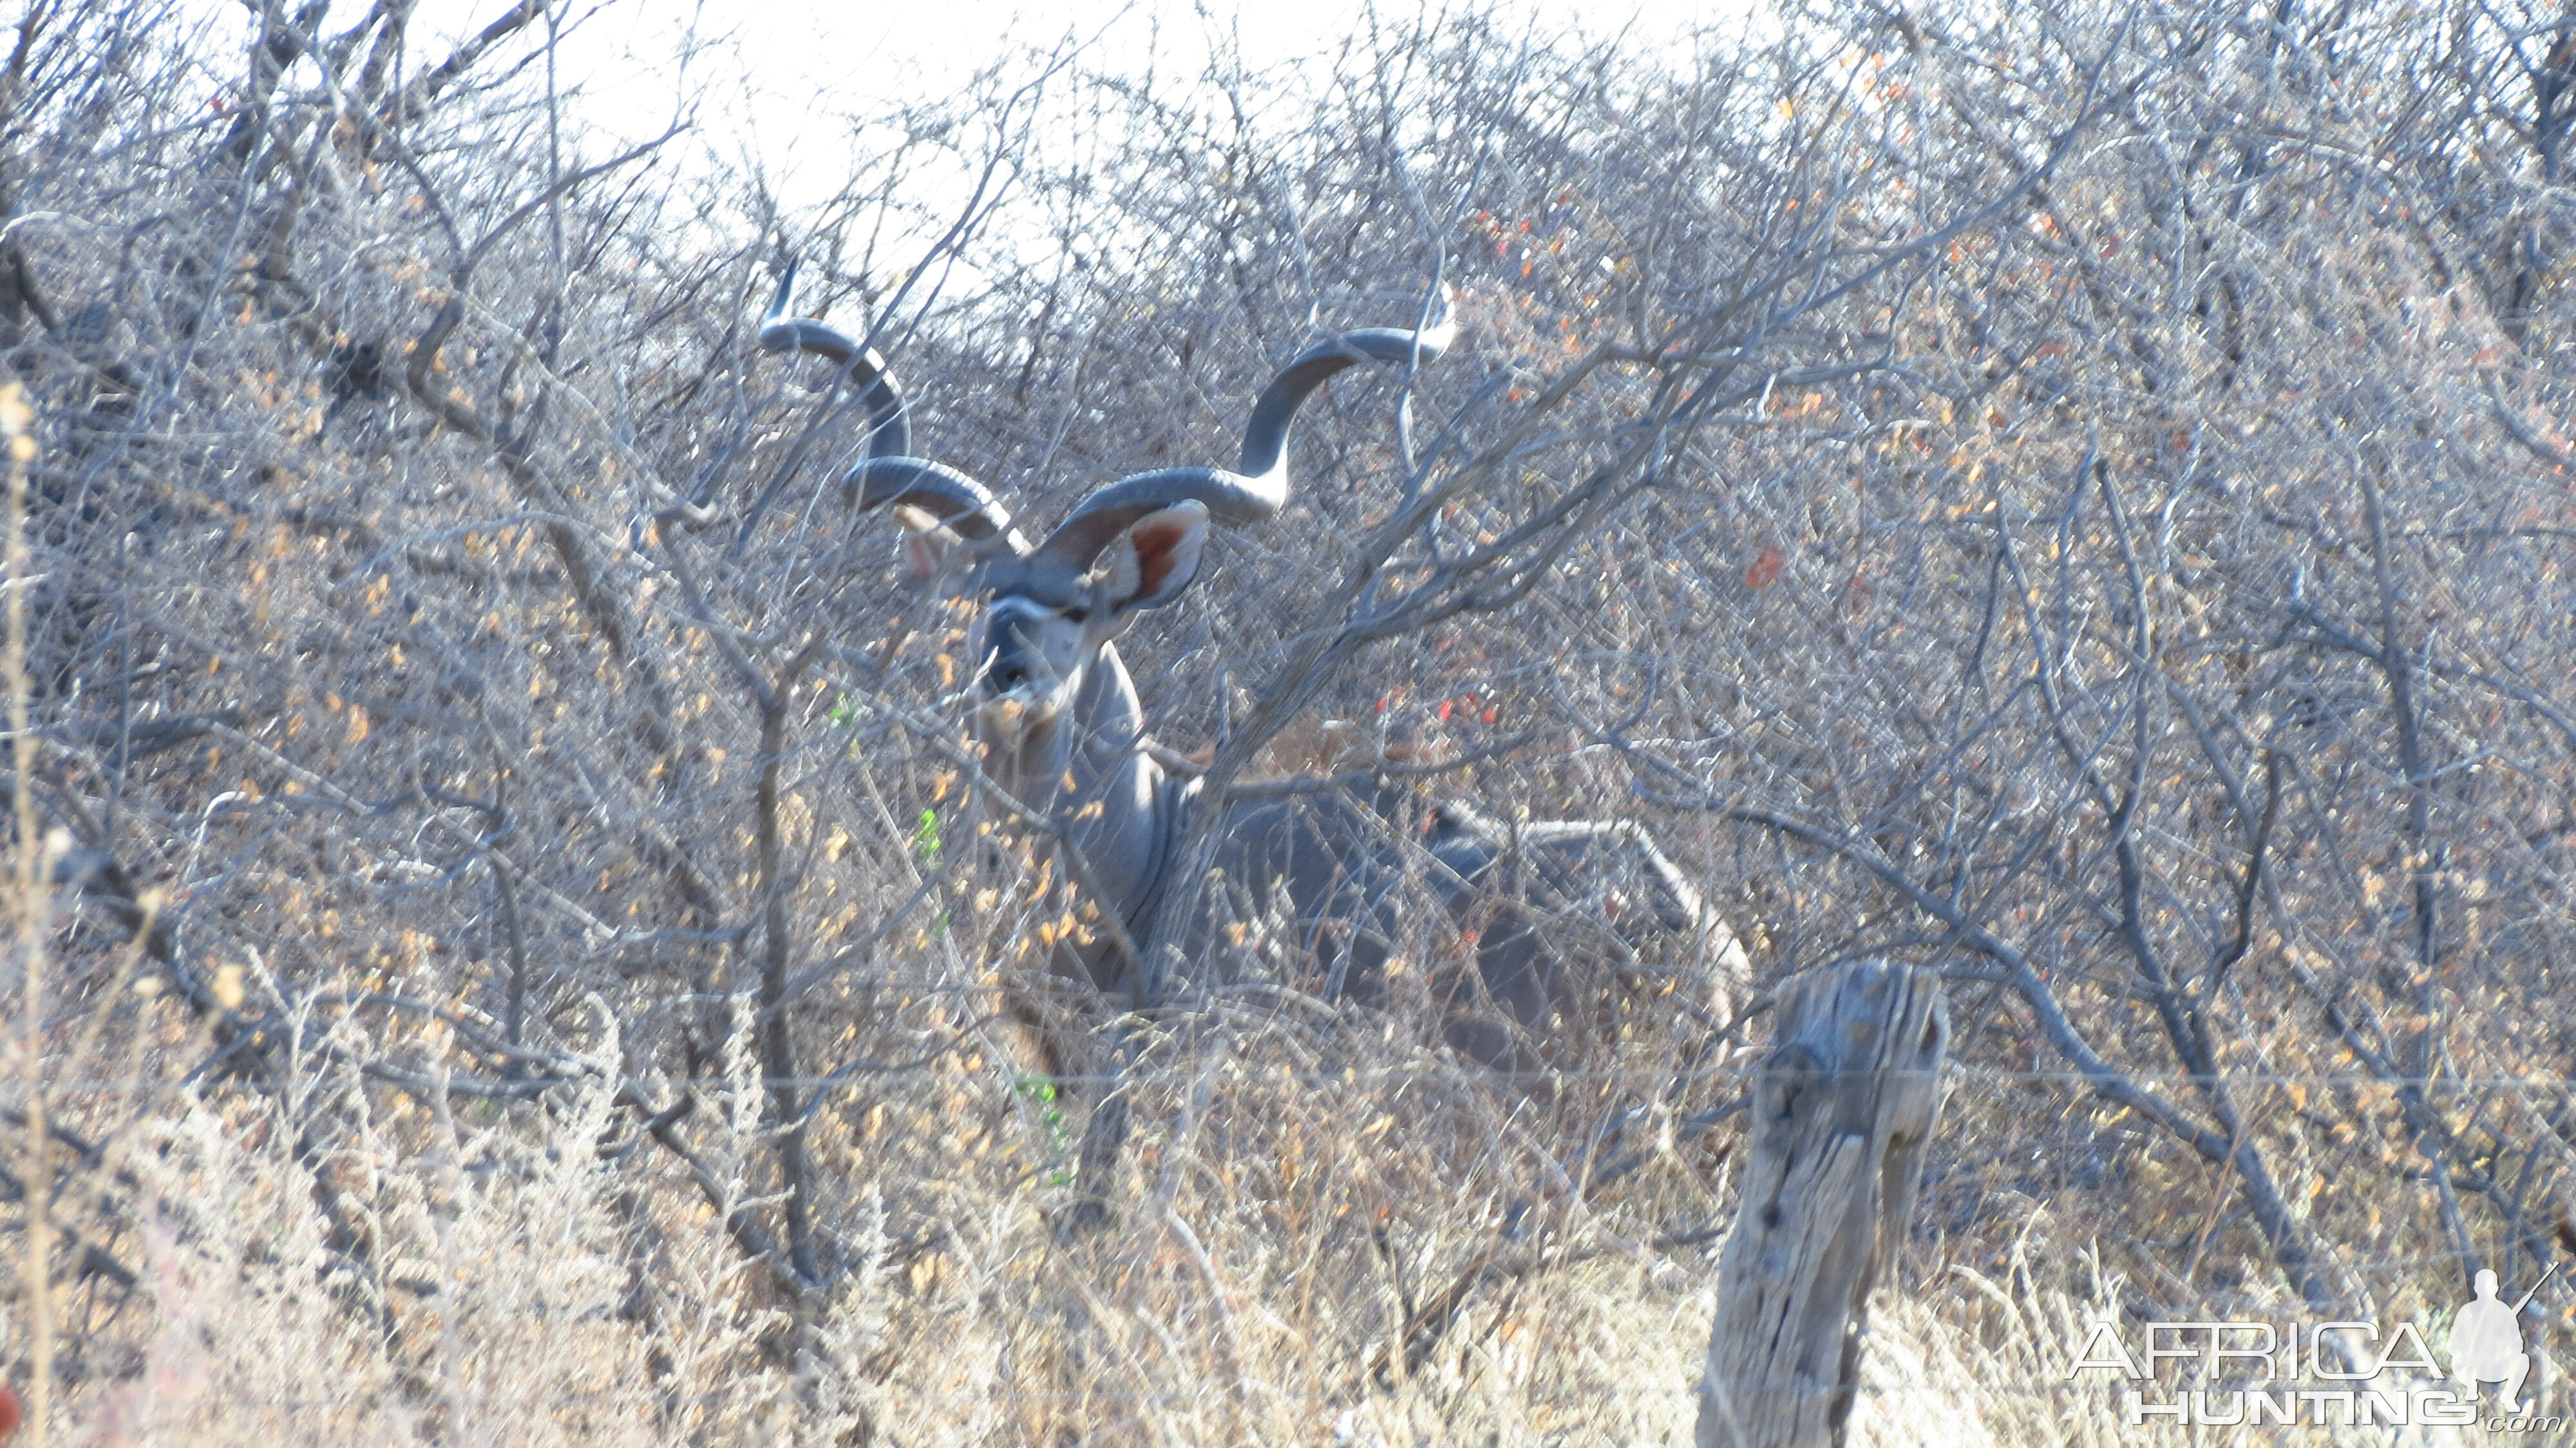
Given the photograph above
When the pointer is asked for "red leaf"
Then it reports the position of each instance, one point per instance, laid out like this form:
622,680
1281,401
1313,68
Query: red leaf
1765,570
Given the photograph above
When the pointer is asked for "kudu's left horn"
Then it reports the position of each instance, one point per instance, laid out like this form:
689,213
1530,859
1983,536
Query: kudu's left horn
1258,488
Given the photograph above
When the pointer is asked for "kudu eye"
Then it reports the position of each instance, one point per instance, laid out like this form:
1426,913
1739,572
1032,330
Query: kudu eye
1077,614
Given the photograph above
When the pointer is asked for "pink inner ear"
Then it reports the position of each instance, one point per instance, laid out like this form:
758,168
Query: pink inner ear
1158,553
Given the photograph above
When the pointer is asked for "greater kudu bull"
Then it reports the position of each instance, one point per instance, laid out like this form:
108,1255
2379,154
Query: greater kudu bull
1064,735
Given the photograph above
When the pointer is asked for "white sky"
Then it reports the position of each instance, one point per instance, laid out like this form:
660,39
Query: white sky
769,69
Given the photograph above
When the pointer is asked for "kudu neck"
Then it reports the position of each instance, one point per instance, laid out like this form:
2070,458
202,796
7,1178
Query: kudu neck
1059,767
1088,772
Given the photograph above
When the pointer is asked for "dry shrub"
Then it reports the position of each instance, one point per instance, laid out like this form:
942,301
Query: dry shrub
511,949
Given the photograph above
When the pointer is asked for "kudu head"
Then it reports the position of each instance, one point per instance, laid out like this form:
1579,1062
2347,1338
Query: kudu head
1050,609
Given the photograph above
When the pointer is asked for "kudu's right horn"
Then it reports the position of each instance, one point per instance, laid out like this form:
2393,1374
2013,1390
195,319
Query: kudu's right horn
889,476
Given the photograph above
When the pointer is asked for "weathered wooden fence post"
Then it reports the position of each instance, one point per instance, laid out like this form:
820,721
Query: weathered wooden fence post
1842,1108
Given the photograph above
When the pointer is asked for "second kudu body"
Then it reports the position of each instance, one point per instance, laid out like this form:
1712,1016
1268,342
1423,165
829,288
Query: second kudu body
1064,735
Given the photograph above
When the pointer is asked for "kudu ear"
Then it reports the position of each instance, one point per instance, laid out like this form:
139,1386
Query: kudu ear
929,548
1156,559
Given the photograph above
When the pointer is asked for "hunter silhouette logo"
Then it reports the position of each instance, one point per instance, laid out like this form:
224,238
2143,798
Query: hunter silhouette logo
2486,1341
2349,1374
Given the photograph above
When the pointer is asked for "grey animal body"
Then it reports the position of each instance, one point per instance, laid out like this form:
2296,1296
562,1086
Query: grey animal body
1566,915
1560,918
1545,907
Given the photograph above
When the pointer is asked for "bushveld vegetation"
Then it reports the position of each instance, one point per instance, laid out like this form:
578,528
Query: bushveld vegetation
2076,495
